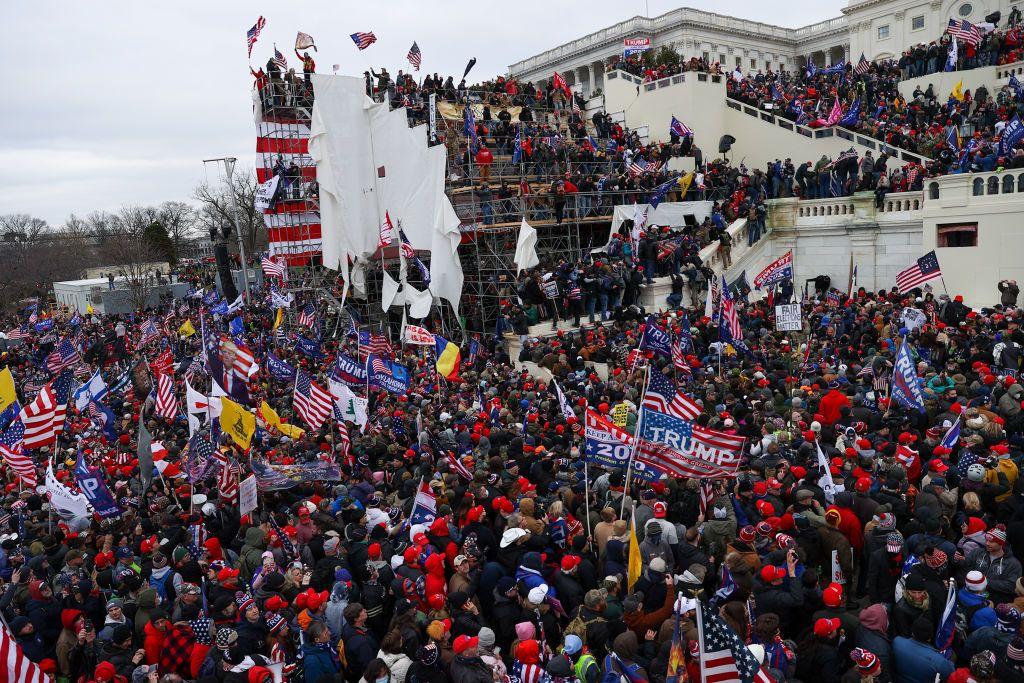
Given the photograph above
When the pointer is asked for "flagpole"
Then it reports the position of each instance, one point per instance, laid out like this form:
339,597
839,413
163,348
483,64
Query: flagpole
636,440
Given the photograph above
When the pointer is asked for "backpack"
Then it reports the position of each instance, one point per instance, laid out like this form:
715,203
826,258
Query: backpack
963,621
578,626
615,671
164,587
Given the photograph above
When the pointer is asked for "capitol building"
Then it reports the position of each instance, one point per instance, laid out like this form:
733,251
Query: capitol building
879,29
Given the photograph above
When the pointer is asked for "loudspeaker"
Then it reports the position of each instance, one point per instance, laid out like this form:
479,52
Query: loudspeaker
994,18
227,283
725,143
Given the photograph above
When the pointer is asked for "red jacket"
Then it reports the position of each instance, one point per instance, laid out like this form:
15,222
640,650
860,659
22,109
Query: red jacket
849,526
484,156
153,644
831,404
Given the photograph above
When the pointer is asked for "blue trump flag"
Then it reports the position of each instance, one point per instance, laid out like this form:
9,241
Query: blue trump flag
656,338
278,369
852,115
661,191
91,483
103,418
1018,91
947,625
1013,133
348,371
384,374
308,347
517,154
906,388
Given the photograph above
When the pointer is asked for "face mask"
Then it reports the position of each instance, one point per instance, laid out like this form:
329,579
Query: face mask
383,680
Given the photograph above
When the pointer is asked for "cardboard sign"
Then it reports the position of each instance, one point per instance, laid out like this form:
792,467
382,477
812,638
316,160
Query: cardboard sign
788,318
914,318
247,495
620,415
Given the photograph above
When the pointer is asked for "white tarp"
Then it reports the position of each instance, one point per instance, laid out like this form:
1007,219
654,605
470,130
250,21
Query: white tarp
526,247
419,302
670,214
369,161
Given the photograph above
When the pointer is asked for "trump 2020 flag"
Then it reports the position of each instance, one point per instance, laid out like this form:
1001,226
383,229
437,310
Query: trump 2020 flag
655,338
906,388
91,484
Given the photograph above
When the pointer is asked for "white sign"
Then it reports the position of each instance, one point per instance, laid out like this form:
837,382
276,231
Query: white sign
788,318
433,116
66,502
914,318
265,193
247,495
633,45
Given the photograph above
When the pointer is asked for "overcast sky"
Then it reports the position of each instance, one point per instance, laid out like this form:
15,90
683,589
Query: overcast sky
110,103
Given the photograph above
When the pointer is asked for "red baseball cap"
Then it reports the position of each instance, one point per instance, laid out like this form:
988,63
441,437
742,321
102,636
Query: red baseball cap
826,627
464,642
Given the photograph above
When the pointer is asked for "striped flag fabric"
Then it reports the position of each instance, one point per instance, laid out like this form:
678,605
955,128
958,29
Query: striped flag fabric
730,317
63,357
280,60
345,440
166,402
662,396
148,333
679,359
964,30
640,166
863,65
458,466
415,56
387,231
312,403
253,34
363,40
679,128
14,665
307,315
380,346
684,449
17,333
272,268
12,450
44,417
924,269
723,654
227,480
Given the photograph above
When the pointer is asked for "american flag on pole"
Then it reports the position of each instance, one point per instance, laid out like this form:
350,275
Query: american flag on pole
227,480
662,396
307,315
253,34
380,346
148,333
924,269
679,359
415,56
640,166
312,403
63,357
17,333
458,466
964,30
166,403
724,656
363,40
44,417
730,317
272,268
13,452
279,59
863,65
14,665
679,128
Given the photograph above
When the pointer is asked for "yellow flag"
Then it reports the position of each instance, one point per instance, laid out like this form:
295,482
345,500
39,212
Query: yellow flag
186,329
7,393
279,318
635,564
684,185
272,419
958,90
237,421
89,309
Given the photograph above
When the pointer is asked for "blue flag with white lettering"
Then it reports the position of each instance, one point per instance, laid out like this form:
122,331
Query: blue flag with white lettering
90,482
906,387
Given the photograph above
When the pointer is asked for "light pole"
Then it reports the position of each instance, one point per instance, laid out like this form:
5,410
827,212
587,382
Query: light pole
229,170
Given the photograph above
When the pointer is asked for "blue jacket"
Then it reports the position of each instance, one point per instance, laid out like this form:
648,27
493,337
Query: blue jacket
977,606
317,662
916,662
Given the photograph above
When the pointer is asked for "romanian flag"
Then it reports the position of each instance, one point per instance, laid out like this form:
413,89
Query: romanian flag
447,357
635,564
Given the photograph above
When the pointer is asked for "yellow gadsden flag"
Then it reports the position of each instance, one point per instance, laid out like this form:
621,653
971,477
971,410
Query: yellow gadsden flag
635,564
89,309
279,318
238,422
186,330
684,185
958,91
272,419
7,393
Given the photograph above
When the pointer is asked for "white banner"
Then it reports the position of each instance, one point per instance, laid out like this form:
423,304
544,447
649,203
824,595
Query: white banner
914,318
265,193
66,502
788,318
247,495
418,336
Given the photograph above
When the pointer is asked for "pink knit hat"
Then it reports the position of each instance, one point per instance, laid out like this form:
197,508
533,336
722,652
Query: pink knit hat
525,630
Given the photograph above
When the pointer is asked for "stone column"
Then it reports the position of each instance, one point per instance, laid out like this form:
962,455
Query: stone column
863,232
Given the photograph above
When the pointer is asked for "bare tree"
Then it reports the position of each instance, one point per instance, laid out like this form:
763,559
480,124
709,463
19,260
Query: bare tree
125,246
215,210
33,255
179,219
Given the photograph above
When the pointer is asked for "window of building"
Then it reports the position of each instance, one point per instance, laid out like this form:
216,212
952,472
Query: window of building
917,23
883,32
965,9
933,191
707,56
721,59
978,187
1008,184
767,66
739,62
957,235
753,63
993,185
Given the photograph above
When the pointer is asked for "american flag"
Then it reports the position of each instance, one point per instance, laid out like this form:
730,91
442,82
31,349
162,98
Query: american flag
193,368
380,346
415,56
863,66
679,359
639,167
199,458
964,30
63,357
253,34
458,466
17,333
13,452
723,654
307,316
345,440
363,40
662,396
14,665
924,269
148,333
272,268
730,317
280,60
707,494
166,403
44,417
679,128
312,403
227,480
912,173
